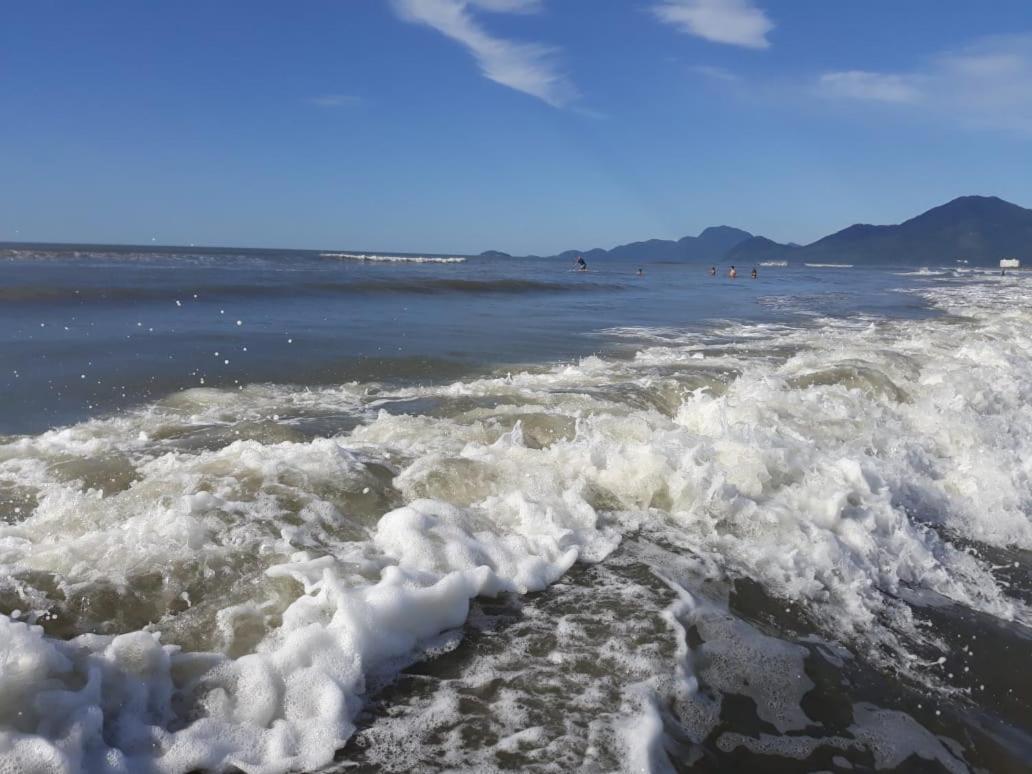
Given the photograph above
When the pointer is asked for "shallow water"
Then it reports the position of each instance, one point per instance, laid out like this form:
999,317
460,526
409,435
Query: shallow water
581,523
83,333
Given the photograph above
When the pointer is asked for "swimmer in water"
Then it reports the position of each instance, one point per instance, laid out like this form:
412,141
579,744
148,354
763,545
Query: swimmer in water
732,273
581,264
713,271
641,272
754,273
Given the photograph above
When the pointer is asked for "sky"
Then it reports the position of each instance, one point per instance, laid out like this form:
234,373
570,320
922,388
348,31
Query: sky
529,126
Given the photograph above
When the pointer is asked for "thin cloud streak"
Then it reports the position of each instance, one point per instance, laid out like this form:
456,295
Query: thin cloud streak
862,84
733,22
984,84
526,67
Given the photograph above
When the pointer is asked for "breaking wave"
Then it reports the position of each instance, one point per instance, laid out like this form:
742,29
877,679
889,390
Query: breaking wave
372,258
210,583
924,271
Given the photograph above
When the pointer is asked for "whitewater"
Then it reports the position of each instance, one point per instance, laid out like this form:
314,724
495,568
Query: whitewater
802,543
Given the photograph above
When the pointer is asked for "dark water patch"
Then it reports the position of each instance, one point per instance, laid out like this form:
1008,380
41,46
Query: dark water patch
183,294
463,709
973,696
465,706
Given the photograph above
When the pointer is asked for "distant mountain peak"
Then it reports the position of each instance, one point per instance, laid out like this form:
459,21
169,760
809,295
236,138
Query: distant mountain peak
977,198
981,229
714,231
966,206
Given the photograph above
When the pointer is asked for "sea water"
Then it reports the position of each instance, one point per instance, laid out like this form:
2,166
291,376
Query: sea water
283,511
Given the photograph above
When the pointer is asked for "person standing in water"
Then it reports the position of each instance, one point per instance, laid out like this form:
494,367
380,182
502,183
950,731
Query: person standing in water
732,273
754,273
713,271
582,265
641,272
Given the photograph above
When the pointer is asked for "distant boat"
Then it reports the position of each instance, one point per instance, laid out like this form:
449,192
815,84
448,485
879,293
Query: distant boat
1010,263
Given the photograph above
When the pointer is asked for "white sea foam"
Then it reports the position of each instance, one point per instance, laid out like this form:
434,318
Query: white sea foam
829,265
248,581
774,263
924,271
373,258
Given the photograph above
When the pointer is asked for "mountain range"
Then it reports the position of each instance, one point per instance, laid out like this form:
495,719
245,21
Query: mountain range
979,229
715,240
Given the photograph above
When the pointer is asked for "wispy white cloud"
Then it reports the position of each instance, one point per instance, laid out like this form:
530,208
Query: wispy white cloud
508,6
735,22
335,100
990,79
526,67
862,84
987,83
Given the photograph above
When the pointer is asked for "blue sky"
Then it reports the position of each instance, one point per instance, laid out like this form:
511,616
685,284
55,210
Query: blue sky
522,125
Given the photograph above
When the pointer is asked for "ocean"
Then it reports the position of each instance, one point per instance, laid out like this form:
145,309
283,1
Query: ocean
296,511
